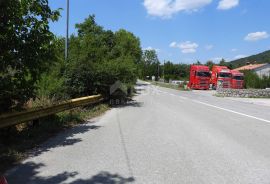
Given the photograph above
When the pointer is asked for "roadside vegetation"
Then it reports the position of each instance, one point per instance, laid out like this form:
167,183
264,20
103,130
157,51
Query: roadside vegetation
33,71
180,87
32,65
252,80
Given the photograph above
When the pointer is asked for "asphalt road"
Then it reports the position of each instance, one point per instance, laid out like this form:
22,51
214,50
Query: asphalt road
163,136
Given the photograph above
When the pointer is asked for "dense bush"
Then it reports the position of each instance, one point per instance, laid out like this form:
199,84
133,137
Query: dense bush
252,80
26,48
98,58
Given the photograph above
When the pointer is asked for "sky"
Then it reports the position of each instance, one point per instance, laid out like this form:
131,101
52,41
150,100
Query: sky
182,31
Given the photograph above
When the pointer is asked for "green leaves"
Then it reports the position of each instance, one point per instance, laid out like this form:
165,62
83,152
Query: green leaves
25,48
98,58
252,80
149,64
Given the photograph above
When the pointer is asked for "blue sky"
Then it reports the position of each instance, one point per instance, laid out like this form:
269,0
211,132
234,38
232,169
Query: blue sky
182,31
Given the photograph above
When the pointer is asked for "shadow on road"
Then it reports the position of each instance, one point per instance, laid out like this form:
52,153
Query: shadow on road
28,174
105,178
129,103
142,84
64,139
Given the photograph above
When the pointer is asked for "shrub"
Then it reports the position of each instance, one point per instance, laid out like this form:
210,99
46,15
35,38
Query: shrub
252,80
26,45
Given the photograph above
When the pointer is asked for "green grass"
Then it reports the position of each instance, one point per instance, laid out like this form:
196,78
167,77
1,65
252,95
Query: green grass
168,85
17,140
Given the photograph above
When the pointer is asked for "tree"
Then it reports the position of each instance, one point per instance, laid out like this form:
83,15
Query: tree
252,80
150,63
222,62
176,71
127,44
26,47
210,64
51,85
99,58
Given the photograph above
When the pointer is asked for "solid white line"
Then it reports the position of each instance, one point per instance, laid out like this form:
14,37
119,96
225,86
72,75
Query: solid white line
221,108
235,112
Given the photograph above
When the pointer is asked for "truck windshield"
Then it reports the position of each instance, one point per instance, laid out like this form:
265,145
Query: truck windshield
203,74
224,75
238,77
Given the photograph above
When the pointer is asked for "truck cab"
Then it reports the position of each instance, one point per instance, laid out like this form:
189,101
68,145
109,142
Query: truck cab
199,77
237,80
221,77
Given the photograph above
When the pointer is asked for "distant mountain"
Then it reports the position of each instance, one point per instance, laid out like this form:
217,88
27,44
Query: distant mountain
263,57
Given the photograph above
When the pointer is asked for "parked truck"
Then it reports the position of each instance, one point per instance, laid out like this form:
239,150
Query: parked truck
220,77
199,77
237,80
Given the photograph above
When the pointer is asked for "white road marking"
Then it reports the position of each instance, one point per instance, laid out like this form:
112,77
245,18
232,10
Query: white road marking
235,112
221,108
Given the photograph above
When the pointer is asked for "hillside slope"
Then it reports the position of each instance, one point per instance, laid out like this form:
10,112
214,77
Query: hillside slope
263,57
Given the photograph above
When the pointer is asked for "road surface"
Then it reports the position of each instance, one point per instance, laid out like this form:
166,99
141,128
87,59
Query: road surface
163,136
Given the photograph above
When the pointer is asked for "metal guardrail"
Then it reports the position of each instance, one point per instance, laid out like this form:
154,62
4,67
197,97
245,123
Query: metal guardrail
15,118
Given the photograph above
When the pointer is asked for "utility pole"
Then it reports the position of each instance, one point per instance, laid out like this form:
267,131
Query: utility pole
67,32
158,71
163,70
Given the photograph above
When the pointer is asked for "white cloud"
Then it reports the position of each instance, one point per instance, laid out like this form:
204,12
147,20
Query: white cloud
257,36
173,44
209,47
240,56
234,50
166,8
151,48
227,4
186,47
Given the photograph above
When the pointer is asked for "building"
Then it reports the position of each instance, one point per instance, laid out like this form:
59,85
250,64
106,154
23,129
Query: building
260,69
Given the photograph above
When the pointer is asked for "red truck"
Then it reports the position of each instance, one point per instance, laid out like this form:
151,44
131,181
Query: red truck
237,80
220,77
199,77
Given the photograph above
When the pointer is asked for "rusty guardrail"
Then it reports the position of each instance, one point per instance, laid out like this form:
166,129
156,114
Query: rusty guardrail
14,118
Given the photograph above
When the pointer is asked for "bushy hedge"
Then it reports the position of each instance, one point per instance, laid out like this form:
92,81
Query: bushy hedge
36,68
97,59
26,49
252,80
